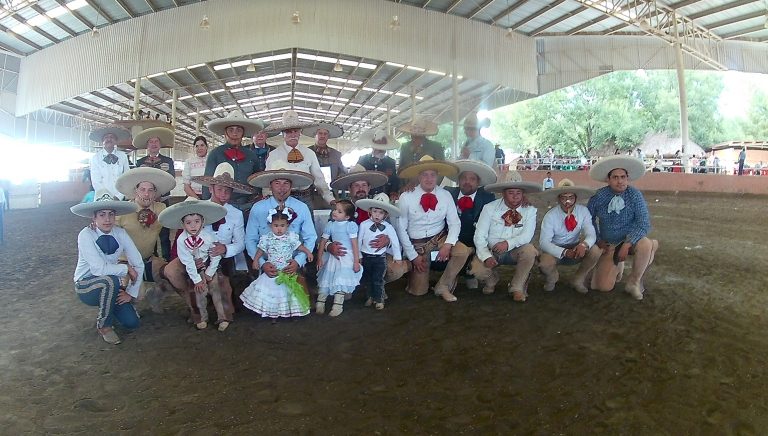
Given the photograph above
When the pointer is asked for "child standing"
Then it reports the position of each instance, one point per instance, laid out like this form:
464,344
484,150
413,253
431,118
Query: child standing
192,247
375,260
282,295
338,276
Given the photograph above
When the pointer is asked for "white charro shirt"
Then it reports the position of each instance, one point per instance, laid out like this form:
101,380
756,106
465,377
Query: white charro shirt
366,236
415,223
91,261
554,236
104,175
187,256
490,228
309,165
232,232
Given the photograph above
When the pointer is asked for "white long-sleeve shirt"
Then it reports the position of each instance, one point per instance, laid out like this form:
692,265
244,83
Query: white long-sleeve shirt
309,165
91,261
554,236
414,223
366,236
232,232
187,258
490,228
104,175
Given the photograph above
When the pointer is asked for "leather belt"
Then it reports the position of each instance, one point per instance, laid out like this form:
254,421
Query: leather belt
439,235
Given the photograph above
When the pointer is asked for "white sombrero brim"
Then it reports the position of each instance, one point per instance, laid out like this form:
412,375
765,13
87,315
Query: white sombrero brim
334,131
582,193
86,210
366,141
375,179
278,126
166,137
368,203
236,186
127,183
219,125
264,178
119,132
528,187
486,173
635,167
171,216
443,168
429,129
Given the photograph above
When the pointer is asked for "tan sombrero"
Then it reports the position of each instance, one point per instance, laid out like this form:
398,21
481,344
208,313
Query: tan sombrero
567,186
472,121
377,139
223,176
513,180
358,173
419,126
127,182
171,216
443,168
290,121
334,130
121,133
235,118
278,170
380,201
103,200
634,166
165,135
485,172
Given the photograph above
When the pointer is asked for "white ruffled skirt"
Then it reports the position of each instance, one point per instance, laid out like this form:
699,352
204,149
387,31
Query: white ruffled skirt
270,300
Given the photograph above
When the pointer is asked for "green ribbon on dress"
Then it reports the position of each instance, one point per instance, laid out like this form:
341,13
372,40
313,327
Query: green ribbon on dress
295,288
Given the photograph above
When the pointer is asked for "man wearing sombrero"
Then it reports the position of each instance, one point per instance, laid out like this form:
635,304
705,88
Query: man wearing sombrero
624,223
280,180
326,156
428,222
419,146
152,140
470,197
380,143
503,235
567,235
107,164
142,186
244,161
476,147
299,158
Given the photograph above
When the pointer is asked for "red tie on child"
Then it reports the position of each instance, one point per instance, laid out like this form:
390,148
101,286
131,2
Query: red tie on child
465,203
193,242
570,222
428,201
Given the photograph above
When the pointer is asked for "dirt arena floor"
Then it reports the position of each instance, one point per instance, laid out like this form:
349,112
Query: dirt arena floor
691,358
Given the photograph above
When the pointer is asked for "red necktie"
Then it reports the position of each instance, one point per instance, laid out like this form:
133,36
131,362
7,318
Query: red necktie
362,215
570,222
428,201
146,217
511,217
193,242
465,203
234,154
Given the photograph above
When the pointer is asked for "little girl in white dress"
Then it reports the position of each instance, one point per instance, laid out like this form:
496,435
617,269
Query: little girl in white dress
282,295
338,276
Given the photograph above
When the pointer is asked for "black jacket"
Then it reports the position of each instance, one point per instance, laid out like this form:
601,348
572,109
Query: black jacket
469,218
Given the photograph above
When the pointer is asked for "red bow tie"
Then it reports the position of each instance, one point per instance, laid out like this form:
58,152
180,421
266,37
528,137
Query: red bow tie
193,242
234,154
362,215
465,203
218,223
146,217
511,217
428,201
570,222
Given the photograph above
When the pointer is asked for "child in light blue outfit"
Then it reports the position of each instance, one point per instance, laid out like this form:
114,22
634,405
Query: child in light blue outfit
338,276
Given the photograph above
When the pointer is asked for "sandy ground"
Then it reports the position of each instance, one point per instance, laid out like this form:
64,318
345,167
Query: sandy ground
688,359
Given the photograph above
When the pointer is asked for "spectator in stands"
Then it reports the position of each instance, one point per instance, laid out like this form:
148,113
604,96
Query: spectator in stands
500,154
548,182
742,158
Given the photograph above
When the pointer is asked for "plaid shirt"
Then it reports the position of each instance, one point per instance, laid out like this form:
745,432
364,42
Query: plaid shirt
631,224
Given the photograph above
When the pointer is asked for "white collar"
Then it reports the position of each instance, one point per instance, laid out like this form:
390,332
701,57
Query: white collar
472,196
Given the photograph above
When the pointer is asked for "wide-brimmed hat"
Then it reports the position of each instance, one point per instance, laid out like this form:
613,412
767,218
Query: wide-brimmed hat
486,174
269,134
103,200
513,180
380,201
171,216
358,173
165,135
278,170
290,120
566,186
634,167
235,118
443,168
472,121
121,133
419,126
223,176
334,130
377,139
127,182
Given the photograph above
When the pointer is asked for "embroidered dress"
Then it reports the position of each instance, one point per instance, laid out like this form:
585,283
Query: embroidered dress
337,274
265,295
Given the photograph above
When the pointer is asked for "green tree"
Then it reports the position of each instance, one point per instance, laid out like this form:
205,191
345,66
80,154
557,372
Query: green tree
756,126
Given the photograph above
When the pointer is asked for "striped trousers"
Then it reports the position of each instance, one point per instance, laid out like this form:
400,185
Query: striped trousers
102,291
